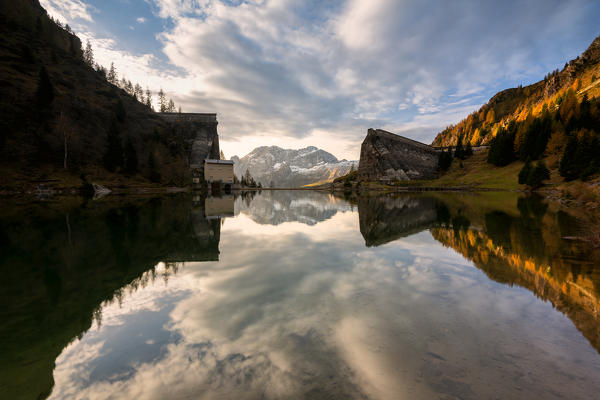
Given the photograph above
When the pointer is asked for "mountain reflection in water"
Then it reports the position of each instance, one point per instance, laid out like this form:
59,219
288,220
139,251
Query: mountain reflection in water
293,295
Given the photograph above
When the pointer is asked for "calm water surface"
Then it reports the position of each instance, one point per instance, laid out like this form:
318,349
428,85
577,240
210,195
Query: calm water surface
298,295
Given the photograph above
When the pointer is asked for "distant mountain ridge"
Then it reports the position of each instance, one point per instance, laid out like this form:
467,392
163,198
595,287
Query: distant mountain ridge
581,74
291,168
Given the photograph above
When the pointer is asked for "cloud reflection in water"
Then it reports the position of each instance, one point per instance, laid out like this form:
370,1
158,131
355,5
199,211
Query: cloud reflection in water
300,311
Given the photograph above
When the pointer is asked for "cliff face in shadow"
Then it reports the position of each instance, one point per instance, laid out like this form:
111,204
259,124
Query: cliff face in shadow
60,265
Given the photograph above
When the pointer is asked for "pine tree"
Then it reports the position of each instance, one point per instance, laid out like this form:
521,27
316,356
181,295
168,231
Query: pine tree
171,106
113,157
501,150
568,167
537,175
468,150
45,90
458,152
88,54
524,173
445,160
222,155
131,160
39,28
153,172
162,101
112,74
129,88
120,111
138,92
148,98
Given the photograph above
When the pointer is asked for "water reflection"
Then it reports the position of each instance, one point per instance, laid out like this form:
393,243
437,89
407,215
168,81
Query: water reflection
60,262
277,207
286,301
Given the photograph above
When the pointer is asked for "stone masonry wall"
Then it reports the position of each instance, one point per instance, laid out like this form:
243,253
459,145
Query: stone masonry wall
386,156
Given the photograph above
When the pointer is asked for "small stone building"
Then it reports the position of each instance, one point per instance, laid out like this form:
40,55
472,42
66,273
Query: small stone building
218,171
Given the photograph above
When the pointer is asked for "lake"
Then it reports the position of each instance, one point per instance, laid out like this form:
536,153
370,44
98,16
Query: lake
298,294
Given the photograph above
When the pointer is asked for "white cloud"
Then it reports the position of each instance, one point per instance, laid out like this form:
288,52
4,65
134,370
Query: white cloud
68,10
141,20
291,71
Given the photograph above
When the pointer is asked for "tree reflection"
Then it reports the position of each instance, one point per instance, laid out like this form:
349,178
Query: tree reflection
59,272
522,244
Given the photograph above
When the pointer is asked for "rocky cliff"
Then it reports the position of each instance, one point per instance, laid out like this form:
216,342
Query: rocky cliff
385,156
291,168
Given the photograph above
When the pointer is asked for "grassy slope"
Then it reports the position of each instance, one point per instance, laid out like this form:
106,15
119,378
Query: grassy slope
476,172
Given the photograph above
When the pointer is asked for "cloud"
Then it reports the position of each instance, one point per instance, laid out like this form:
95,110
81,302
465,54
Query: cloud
68,10
141,20
287,71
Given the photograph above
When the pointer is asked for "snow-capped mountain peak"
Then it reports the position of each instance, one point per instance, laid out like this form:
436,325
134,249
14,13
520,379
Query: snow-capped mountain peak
291,168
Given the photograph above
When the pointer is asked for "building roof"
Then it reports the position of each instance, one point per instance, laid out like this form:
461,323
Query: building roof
210,161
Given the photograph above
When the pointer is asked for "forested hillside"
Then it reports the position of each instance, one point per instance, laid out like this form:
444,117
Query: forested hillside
524,104
555,120
61,117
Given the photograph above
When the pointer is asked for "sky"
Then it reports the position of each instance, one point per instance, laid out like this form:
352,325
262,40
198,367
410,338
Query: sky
320,73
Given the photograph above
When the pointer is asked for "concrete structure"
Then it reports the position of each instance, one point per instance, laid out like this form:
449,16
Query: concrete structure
385,156
201,130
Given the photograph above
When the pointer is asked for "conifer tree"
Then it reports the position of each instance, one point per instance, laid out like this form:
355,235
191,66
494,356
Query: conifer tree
445,160
88,54
131,159
524,173
45,90
148,98
567,167
171,106
153,172
501,150
458,152
112,74
129,88
162,101
120,111
537,175
138,92
113,157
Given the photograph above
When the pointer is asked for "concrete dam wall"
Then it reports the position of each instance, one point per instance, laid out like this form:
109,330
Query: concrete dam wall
386,156
203,128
